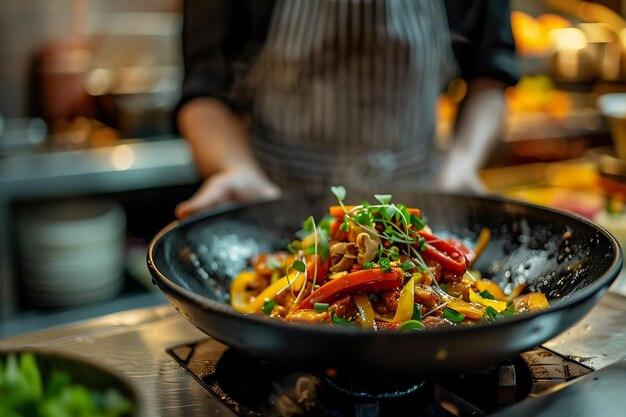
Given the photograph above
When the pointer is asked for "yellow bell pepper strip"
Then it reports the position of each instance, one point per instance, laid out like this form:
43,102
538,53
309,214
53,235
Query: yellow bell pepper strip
239,295
366,311
363,280
483,239
499,306
405,302
517,291
471,276
492,288
532,301
388,318
295,281
470,310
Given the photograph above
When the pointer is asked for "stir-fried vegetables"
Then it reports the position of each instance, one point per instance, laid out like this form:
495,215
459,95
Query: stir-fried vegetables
379,267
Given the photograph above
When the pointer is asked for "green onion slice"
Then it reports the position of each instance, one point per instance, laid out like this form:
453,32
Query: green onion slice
453,315
486,294
321,307
268,306
411,325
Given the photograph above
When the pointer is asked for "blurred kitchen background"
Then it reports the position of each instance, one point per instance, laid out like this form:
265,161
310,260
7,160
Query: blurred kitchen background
91,167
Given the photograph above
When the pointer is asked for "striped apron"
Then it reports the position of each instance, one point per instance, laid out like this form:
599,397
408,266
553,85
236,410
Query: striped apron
345,92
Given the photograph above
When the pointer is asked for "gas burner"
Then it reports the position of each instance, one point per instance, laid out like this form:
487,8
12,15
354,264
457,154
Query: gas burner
251,387
384,389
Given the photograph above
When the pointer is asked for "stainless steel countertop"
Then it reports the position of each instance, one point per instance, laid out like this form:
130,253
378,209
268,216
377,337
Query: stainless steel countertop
134,343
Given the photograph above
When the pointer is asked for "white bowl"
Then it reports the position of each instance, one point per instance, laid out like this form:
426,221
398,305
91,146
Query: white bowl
70,224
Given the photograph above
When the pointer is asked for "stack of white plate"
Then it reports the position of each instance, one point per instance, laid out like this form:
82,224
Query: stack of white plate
72,252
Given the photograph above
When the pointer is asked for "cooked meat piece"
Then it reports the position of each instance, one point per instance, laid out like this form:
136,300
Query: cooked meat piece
426,296
459,289
435,268
432,322
448,277
380,307
344,307
390,298
308,316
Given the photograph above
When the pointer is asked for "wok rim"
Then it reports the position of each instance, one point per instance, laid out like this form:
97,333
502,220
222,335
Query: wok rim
600,285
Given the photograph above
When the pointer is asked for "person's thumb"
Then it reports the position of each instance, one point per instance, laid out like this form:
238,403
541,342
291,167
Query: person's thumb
185,209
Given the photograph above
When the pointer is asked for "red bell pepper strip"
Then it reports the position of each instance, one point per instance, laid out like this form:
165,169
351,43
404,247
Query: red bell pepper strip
376,286
450,257
467,252
369,279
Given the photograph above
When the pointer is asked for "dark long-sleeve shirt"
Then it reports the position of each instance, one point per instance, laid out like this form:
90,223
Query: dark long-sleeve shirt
222,39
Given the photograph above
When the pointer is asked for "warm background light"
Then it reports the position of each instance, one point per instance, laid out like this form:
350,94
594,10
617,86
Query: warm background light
122,157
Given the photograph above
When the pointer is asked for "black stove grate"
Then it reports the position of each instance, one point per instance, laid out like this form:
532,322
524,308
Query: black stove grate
255,388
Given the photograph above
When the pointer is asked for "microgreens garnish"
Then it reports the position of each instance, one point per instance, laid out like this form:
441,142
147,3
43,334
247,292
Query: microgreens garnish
340,192
364,218
299,266
345,225
417,222
318,234
384,199
394,224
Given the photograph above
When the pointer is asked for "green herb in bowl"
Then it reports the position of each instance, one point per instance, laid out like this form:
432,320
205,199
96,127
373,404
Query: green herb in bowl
46,385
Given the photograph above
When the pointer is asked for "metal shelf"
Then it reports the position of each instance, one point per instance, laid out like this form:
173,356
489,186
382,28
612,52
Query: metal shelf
129,165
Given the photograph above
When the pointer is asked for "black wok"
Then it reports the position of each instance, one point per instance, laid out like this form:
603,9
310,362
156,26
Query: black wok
194,261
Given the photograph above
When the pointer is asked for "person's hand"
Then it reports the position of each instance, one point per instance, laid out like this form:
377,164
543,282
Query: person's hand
459,174
244,184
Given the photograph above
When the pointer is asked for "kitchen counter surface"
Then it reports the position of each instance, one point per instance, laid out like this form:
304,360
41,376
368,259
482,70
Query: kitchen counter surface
135,342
